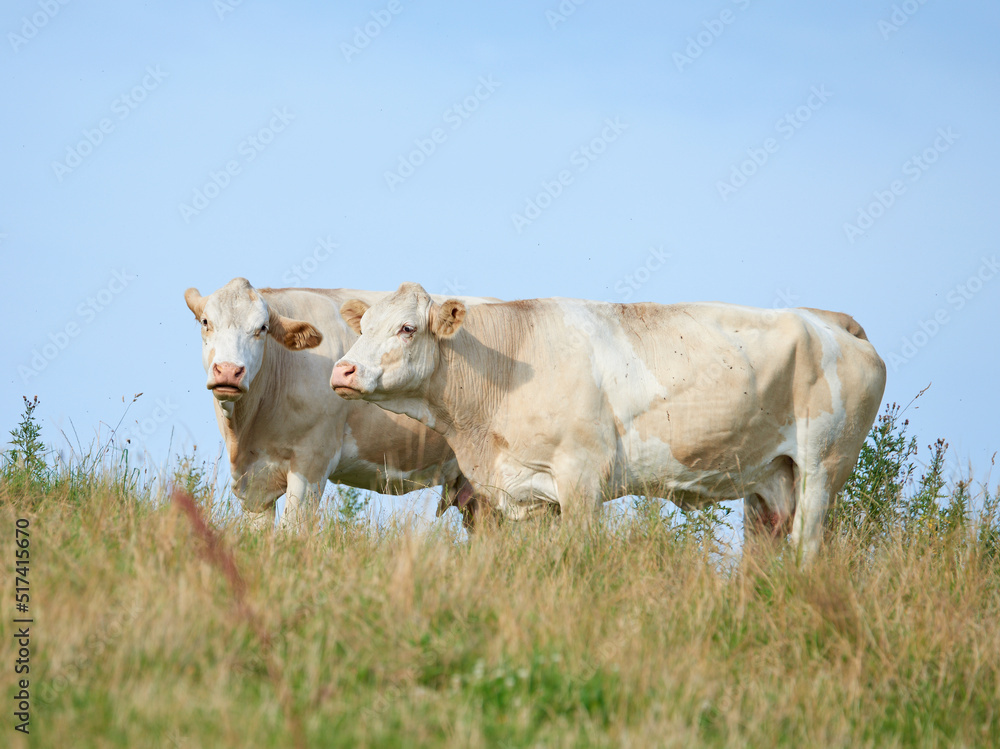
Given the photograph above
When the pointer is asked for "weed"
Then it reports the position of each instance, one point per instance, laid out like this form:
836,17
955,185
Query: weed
24,464
351,504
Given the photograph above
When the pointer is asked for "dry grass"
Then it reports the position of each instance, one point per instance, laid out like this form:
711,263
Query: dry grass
620,635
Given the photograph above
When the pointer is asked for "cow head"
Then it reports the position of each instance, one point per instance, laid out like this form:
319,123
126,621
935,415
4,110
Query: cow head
236,325
398,348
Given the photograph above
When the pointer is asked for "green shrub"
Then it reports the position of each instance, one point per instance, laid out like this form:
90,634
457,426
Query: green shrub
871,501
24,464
881,500
351,504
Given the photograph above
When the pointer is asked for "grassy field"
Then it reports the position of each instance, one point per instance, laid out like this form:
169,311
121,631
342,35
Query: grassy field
151,630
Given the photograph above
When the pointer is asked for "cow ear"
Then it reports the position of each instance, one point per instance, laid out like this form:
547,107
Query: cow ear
195,302
447,318
293,334
352,310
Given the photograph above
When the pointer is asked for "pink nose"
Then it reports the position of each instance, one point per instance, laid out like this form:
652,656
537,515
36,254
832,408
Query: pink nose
344,376
227,375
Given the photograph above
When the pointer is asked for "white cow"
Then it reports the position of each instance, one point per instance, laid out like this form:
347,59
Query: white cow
571,402
268,354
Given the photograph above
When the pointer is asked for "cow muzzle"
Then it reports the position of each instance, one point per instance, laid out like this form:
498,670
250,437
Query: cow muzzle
344,381
227,383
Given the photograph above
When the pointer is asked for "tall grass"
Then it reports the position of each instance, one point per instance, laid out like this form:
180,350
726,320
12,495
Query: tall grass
155,628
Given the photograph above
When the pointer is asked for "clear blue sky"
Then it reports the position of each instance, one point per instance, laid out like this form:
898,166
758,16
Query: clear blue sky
837,155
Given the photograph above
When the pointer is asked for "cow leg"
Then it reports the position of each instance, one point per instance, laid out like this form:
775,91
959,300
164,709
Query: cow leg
260,521
578,500
812,501
300,495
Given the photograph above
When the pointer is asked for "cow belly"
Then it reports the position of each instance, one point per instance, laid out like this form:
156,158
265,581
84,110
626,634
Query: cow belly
649,467
387,480
378,467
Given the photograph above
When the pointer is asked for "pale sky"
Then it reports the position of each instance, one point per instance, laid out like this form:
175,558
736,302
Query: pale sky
842,156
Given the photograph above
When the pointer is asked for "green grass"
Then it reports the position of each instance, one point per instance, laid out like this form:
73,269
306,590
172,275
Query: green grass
627,633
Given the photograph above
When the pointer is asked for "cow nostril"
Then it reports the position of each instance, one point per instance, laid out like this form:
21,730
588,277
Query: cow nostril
349,369
227,371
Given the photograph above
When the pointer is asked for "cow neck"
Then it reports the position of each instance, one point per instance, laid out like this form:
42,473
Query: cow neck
257,406
480,365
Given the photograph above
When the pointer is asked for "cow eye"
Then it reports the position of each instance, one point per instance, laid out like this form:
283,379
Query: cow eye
204,322
408,329
262,331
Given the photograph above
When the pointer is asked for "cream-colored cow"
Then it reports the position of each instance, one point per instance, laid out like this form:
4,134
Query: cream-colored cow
570,402
285,431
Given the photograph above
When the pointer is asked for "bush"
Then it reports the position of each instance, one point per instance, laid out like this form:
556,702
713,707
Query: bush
871,501
351,504
707,526
24,465
875,506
